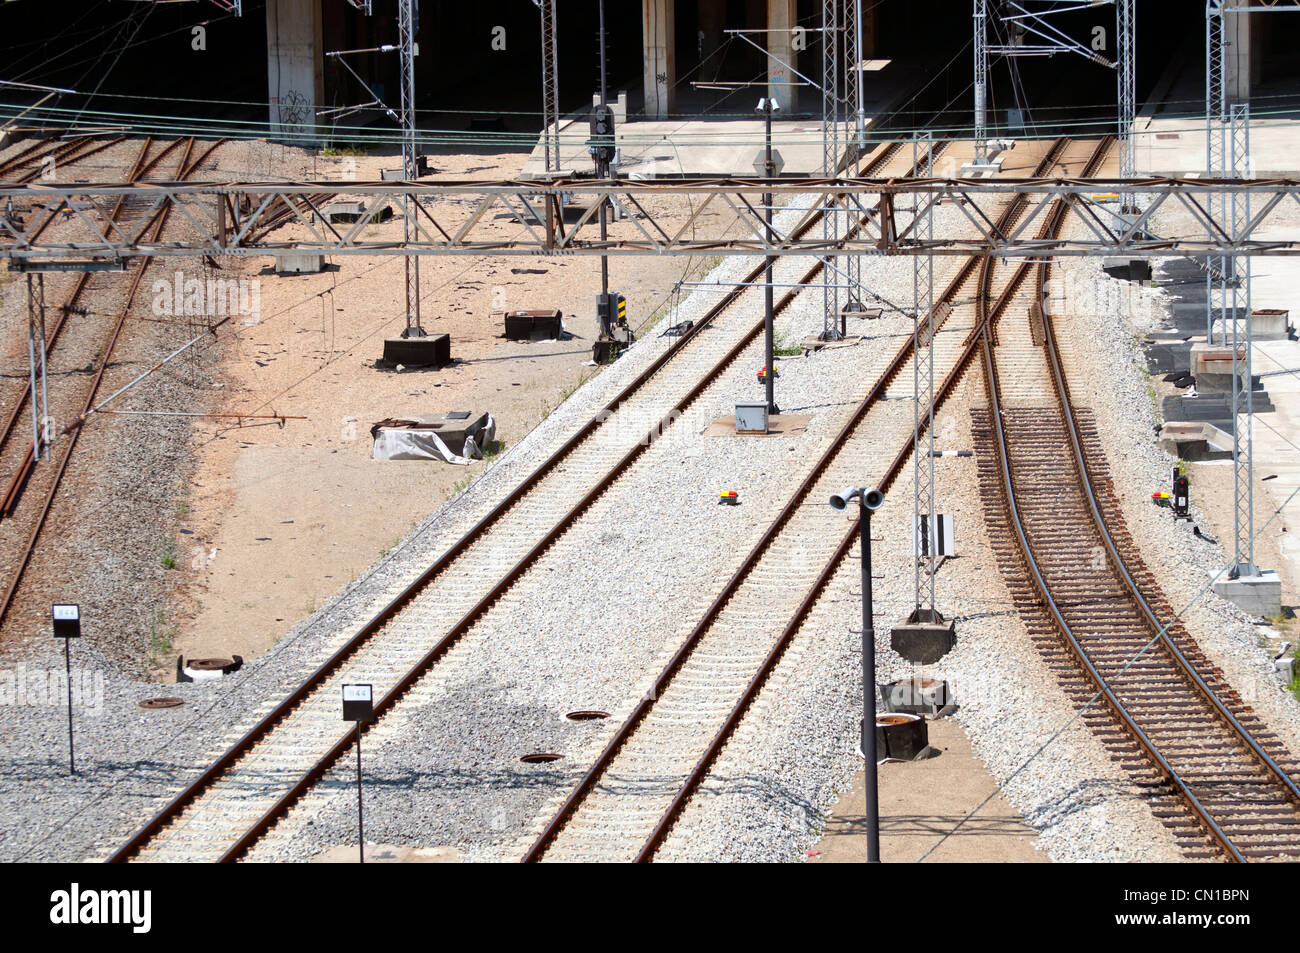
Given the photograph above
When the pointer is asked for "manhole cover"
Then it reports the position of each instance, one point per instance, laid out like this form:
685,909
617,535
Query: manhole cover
162,702
586,715
209,664
540,757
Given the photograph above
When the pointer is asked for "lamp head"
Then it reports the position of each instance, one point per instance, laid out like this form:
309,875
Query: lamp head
871,499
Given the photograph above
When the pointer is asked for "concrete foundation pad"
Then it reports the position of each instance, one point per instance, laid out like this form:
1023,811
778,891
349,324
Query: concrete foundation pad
975,169
389,854
1260,595
1263,327
778,425
1215,360
923,642
432,350
1195,441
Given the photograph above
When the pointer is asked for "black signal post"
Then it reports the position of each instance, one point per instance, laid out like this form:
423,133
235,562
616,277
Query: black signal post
765,106
67,626
359,708
869,501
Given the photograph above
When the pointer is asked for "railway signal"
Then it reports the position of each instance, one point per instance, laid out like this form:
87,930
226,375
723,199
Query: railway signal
67,626
869,500
359,707
1182,502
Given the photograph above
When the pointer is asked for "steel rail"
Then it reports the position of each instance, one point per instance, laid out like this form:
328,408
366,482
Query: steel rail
308,686
1050,603
670,670
1152,622
792,627
185,167
19,480
32,155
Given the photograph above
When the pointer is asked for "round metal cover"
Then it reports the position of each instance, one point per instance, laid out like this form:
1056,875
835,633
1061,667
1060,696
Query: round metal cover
540,757
152,703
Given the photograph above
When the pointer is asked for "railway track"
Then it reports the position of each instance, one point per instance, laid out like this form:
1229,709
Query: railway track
35,159
102,306
231,806
1217,777
627,803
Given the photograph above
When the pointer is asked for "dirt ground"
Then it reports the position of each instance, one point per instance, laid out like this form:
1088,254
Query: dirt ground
921,802
280,517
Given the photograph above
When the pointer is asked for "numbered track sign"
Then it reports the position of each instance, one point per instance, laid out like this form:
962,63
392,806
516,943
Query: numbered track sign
67,621
358,703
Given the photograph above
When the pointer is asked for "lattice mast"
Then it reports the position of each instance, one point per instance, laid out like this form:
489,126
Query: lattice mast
1227,155
923,505
407,26
550,85
980,23
1126,83
830,159
854,98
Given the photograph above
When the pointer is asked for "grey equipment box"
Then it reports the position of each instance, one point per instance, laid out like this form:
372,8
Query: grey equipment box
432,350
532,325
751,416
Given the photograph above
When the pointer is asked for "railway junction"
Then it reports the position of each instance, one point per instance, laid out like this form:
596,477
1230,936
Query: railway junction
485,467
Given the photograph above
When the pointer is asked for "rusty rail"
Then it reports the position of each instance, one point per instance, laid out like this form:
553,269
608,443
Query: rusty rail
267,724
157,222
630,725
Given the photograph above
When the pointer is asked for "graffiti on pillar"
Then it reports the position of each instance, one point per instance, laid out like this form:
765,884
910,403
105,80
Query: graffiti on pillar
294,112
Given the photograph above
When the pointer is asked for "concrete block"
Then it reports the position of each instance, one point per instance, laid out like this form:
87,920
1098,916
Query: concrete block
1259,595
923,640
973,170
1215,359
1195,441
431,350
1127,269
299,263
544,325
454,426
348,212
1270,324
919,696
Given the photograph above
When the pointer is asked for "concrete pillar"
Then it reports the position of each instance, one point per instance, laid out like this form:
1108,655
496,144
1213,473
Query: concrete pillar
657,31
781,21
1237,66
294,66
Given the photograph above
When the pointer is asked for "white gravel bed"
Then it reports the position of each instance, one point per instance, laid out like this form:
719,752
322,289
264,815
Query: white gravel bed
134,756
776,782
1107,374
594,621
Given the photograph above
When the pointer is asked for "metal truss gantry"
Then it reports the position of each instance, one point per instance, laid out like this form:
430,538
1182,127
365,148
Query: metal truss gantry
458,218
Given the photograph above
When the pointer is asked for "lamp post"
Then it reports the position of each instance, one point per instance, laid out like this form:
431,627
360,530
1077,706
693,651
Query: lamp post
869,500
767,105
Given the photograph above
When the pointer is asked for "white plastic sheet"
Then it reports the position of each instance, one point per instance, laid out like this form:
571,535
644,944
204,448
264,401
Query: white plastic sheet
415,443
